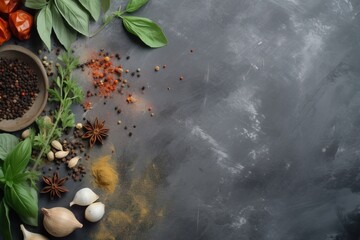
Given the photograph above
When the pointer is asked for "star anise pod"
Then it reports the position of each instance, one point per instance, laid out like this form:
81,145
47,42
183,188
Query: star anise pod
55,185
95,132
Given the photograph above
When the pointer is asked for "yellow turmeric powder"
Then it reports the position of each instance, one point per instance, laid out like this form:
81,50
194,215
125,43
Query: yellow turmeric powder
105,174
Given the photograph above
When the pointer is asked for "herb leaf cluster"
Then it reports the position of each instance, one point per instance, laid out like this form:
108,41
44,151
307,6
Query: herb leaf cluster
147,30
17,186
66,17
65,92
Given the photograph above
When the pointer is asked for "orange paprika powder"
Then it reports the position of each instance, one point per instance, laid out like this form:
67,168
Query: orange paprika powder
8,6
20,24
5,33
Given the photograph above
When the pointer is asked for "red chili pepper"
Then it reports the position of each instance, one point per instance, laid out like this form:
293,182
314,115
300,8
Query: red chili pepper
20,24
8,6
5,33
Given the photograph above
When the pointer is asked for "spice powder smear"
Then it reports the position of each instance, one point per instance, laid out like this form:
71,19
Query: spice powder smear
105,174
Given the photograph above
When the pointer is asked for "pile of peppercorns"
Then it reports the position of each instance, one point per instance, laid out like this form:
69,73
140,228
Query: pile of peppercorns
18,88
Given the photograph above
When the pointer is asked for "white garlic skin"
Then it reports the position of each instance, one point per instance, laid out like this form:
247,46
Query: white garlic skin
30,235
84,197
95,211
59,221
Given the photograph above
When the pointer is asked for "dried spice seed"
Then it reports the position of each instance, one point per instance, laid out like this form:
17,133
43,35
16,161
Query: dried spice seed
18,88
55,185
95,132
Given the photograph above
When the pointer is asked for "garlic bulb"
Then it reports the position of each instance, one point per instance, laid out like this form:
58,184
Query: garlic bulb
59,221
72,162
30,235
94,212
57,145
84,197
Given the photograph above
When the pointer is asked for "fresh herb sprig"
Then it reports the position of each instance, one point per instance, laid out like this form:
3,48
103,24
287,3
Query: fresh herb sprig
64,93
147,30
17,184
68,18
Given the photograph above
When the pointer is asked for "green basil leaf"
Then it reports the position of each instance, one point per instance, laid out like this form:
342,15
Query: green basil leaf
23,199
2,179
44,25
22,177
134,5
17,160
93,7
7,143
147,30
105,5
5,229
35,4
74,15
63,31
32,220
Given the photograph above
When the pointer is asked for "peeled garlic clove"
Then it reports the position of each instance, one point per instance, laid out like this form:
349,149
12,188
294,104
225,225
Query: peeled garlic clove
94,212
79,126
30,235
57,145
72,162
50,156
59,221
84,197
61,154
25,133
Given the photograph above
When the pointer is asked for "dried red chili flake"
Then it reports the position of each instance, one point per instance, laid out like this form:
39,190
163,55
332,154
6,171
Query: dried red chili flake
87,105
130,99
105,73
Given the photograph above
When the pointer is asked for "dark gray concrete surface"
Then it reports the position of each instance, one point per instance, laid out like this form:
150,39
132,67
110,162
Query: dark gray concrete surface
260,141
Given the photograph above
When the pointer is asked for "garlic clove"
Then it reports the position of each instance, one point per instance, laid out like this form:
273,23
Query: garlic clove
57,145
84,197
25,134
95,211
61,154
72,162
59,221
30,235
50,156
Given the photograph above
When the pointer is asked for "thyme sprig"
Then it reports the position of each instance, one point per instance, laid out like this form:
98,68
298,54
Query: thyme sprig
65,92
